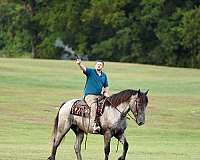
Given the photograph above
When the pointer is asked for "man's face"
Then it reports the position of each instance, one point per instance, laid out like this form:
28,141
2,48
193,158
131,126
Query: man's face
99,66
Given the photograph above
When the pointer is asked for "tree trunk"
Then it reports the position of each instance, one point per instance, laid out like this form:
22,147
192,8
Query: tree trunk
34,40
31,9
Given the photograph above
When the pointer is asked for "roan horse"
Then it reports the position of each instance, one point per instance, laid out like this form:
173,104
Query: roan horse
113,121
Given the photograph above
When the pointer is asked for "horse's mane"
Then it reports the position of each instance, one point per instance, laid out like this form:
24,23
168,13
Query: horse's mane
123,96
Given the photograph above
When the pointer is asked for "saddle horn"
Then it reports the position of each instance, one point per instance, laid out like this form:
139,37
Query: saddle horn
138,92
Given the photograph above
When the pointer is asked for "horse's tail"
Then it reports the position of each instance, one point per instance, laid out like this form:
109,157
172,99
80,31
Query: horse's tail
55,125
56,122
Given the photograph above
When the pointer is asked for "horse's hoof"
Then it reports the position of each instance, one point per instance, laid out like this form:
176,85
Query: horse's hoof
120,158
50,158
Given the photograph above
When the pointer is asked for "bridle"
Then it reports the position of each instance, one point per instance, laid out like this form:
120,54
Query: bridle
136,110
136,102
129,108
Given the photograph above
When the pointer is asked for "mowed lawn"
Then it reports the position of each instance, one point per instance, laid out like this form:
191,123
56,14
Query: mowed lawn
31,91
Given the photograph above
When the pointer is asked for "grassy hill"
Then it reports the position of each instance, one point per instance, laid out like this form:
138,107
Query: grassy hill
31,91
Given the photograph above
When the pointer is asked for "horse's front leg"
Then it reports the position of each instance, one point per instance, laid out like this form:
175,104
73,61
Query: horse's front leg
123,141
107,139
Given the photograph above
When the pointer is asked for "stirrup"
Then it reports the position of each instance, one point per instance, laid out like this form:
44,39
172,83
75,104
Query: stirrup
96,129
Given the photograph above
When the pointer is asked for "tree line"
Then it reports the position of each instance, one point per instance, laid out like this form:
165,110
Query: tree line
161,32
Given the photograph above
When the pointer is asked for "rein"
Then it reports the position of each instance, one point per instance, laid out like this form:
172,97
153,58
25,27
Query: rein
123,115
128,110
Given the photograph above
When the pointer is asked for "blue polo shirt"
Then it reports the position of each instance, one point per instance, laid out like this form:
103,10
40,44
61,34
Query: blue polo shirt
94,83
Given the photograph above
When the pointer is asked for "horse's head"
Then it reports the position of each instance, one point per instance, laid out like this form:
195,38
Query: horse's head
138,104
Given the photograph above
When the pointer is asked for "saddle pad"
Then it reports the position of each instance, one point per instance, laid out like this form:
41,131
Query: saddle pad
80,108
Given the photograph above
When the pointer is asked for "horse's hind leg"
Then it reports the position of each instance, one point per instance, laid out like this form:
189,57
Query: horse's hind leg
79,139
61,132
123,140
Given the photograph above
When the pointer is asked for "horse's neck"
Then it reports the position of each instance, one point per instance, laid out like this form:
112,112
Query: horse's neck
114,116
123,108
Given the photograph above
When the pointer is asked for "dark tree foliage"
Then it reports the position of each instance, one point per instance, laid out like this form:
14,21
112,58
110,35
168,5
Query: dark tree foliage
162,32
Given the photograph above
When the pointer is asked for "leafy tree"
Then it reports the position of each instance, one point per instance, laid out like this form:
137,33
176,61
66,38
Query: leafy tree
191,36
164,32
62,19
14,39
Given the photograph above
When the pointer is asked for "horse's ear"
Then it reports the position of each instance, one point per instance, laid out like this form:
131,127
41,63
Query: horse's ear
146,92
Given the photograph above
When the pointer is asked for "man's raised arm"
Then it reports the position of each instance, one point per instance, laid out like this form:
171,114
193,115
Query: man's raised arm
82,67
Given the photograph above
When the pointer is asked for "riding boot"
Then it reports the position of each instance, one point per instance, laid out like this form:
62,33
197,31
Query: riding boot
96,129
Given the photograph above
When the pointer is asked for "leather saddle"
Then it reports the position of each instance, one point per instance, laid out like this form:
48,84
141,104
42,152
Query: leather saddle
80,108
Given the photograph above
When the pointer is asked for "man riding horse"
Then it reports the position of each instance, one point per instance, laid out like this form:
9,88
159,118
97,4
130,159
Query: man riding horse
113,120
95,83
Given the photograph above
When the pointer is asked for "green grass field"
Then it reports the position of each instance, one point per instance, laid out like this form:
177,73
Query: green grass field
30,91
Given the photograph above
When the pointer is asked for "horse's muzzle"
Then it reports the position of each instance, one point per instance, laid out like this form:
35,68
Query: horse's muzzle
141,119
